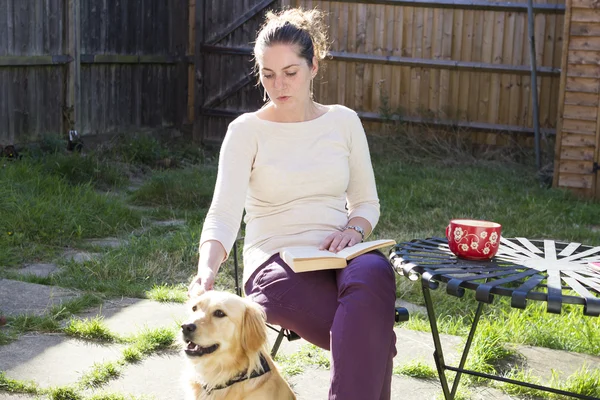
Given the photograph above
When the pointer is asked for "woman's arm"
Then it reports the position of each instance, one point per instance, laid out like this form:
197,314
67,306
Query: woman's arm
223,219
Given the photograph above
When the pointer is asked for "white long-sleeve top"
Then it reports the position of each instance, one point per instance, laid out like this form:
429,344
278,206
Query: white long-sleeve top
294,179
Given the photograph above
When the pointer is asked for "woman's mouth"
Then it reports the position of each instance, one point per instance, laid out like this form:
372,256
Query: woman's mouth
283,98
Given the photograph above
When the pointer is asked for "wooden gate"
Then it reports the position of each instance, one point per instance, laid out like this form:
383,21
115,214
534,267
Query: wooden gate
223,62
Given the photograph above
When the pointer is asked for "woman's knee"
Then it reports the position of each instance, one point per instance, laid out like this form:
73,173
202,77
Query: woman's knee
372,269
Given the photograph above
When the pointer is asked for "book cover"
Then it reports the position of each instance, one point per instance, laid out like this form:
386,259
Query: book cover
308,258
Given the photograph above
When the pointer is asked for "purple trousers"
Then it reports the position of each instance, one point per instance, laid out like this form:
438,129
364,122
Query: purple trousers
349,311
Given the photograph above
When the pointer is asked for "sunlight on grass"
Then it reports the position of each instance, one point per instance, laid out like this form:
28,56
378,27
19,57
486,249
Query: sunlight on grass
308,354
584,381
89,328
151,340
100,374
416,369
16,386
64,393
168,293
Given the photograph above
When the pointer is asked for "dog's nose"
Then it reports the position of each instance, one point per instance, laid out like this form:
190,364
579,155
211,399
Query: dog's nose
186,328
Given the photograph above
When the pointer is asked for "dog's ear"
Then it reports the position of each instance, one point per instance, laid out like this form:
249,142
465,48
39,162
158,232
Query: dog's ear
254,330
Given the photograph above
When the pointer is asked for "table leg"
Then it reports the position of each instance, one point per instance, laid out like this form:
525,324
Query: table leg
463,358
438,354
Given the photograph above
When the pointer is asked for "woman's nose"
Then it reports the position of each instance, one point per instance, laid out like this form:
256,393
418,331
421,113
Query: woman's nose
278,82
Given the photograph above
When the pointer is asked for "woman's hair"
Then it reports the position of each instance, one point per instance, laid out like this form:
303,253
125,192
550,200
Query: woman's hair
295,26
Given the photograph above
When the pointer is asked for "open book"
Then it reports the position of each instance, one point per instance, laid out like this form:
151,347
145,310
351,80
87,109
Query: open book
307,258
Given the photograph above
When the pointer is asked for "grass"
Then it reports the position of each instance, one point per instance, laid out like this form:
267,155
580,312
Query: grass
52,201
308,354
100,374
416,369
89,328
168,293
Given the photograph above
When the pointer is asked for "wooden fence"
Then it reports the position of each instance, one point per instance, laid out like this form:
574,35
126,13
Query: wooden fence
117,65
447,62
578,139
105,66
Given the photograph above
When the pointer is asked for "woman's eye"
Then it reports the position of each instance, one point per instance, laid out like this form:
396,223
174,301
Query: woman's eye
290,73
267,76
219,314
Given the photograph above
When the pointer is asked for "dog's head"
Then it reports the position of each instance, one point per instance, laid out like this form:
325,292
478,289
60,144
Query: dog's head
222,324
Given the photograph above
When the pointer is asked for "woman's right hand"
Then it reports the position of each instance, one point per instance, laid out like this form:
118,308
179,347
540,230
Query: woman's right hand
202,282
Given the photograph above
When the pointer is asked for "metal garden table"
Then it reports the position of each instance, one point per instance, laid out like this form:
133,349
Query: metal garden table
544,270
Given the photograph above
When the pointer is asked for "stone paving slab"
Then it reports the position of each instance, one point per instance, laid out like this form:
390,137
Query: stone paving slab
159,377
110,242
313,384
18,297
40,270
169,223
541,361
8,396
53,359
412,308
128,316
80,256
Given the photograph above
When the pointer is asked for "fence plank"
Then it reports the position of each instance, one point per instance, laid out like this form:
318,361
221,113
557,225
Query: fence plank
579,126
581,99
575,181
577,153
585,28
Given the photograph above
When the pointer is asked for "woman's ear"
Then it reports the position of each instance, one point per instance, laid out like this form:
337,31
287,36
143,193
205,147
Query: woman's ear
315,67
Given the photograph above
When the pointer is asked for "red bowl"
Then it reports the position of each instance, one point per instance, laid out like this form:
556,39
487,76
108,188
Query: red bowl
473,239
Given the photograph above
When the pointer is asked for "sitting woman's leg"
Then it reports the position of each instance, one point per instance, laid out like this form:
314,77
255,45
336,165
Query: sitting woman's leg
362,336
304,303
348,311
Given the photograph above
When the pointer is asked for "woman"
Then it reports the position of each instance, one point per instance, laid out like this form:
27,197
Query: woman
302,171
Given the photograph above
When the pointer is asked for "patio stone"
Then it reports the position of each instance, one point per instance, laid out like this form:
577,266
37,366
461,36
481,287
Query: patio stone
541,361
40,270
158,377
18,297
53,359
80,256
128,316
107,242
172,222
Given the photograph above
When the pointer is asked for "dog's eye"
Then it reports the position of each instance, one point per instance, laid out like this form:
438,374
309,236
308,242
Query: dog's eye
194,308
219,314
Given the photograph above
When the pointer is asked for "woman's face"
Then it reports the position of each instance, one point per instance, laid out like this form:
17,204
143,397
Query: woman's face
286,76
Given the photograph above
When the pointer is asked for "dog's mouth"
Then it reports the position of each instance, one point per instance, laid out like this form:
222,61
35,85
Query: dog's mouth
194,350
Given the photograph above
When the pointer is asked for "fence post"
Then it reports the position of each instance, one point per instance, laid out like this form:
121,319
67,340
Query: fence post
199,71
72,107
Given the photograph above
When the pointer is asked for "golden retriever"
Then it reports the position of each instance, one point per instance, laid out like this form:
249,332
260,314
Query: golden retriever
225,342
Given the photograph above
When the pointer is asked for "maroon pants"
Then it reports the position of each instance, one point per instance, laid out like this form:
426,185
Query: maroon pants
349,311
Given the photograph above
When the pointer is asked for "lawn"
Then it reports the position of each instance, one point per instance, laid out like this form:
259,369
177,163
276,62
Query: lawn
51,201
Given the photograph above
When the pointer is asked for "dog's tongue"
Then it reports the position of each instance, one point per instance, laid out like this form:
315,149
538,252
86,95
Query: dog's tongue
193,346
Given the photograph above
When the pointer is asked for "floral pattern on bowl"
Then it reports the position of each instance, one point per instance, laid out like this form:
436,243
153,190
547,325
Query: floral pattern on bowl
473,239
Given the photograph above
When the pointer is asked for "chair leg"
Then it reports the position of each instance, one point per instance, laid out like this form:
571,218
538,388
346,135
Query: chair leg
277,342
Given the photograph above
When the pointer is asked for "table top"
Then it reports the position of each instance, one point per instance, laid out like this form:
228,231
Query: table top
542,270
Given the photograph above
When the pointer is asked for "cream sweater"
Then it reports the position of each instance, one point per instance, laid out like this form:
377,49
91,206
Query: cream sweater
294,181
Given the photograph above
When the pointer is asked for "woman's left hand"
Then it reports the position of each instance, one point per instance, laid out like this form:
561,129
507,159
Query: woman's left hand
340,240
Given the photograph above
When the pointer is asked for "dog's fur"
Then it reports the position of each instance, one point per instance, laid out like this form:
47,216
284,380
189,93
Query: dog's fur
237,327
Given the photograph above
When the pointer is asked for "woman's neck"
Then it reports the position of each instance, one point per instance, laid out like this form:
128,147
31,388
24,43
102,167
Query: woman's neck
311,110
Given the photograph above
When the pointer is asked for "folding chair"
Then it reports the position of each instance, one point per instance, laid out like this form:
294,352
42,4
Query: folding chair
400,316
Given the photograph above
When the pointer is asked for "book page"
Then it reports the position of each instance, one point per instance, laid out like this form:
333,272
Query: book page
364,247
306,252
